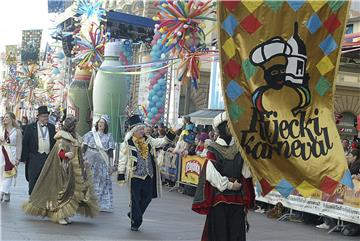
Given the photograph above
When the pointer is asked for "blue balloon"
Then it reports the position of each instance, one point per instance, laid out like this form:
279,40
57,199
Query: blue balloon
154,110
156,87
155,98
160,93
150,115
159,104
161,81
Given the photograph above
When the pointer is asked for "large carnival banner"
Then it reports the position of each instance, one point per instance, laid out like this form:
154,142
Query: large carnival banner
11,54
30,45
279,60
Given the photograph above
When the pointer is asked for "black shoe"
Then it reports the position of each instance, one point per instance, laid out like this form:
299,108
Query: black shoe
134,229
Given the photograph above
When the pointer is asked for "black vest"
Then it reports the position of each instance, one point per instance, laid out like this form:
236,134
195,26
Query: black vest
228,163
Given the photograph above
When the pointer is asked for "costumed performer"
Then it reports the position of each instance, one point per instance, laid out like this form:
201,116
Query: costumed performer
64,186
11,144
137,165
225,188
98,147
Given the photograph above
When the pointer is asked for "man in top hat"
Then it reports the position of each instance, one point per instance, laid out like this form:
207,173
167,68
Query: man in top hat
37,143
225,188
137,166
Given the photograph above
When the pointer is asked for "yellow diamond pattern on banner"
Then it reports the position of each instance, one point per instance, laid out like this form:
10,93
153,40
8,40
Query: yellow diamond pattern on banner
252,5
229,47
316,5
306,189
325,65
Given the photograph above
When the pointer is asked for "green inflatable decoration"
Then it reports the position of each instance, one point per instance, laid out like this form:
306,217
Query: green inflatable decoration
110,93
79,99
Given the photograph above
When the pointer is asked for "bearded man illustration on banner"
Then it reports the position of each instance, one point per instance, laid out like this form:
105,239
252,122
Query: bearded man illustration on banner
279,62
284,64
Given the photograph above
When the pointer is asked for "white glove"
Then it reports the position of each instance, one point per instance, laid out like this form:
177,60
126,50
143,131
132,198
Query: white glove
69,155
234,186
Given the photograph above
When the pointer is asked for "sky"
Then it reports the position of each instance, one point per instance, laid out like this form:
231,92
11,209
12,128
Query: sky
17,15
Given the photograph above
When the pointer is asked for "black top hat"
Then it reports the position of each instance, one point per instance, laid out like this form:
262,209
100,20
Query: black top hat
43,110
135,120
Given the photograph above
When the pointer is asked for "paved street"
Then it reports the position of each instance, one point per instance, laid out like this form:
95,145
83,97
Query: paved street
169,218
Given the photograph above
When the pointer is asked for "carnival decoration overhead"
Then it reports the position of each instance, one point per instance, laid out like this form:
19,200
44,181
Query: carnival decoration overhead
157,86
179,33
90,10
182,22
181,25
279,60
11,54
30,46
90,49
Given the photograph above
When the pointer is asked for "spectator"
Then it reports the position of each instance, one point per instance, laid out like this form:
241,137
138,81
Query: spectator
155,133
346,146
190,140
354,158
206,144
161,133
200,147
25,122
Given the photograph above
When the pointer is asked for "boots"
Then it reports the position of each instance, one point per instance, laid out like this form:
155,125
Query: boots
68,220
62,222
2,196
7,197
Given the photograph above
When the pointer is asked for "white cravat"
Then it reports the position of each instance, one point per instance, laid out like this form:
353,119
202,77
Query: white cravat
44,141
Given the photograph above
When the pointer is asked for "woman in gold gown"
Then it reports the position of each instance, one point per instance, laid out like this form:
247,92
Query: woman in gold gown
64,186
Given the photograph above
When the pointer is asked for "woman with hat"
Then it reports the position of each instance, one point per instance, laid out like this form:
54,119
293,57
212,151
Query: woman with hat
10,143
64,186
37,143
98,146
138,167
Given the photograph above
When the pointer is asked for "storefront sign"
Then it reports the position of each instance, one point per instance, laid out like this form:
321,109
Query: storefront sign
347,130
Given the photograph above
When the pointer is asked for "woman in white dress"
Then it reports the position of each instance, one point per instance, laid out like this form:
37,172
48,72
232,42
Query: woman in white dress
98,146
11,144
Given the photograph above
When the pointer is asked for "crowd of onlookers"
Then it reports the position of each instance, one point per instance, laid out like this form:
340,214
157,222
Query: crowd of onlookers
192,139
352,154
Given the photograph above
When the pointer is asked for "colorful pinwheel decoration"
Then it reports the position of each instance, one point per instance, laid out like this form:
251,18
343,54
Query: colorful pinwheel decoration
90,53
28,75
88,9
190,64
182,21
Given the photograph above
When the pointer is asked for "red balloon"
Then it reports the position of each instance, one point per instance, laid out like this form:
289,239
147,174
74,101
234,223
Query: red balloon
153,81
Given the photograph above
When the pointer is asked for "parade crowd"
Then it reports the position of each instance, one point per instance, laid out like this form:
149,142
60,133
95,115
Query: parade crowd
79,169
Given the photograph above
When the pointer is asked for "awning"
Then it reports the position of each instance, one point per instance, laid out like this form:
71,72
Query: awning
130,19
204,117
